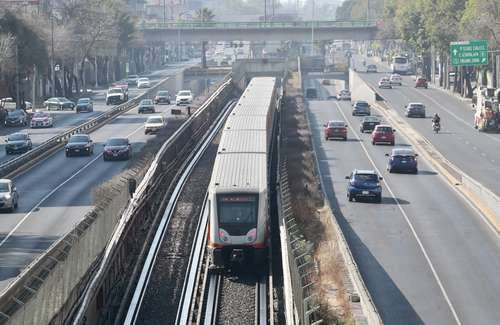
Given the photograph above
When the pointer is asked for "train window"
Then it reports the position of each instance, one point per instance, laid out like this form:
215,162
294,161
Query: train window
237,213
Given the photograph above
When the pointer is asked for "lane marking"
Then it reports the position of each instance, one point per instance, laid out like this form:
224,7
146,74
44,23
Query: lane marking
407,219
37,205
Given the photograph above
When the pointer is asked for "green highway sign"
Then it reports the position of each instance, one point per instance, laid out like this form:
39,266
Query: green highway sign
469,53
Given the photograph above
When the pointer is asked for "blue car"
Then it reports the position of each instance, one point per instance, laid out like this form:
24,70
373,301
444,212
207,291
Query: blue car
364,184
402,160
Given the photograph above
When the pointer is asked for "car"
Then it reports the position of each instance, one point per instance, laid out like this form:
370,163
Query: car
344,95
117,148
336,130
8,195
383,134
132,79
371,68
421,82
364,184
395,79
402,160
184,97
311,93
79,144
84,105
368,123
59,104
154,124
415,110
326,82
385,83
16,117
116,95
146,106
143,83
18,142
360,107
41,120
163,96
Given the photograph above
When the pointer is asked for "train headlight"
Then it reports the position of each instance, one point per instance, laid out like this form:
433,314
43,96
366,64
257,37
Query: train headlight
251,235
223,235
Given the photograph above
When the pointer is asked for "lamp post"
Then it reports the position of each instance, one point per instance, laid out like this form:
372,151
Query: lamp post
52,52
312,29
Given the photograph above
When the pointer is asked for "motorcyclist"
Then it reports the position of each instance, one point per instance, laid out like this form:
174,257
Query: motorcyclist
436,120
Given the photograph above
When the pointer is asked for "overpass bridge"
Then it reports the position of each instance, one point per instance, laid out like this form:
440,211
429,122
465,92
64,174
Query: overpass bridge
259,31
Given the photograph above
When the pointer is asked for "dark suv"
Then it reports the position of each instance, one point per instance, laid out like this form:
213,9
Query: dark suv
18,143
364,184
368,124
16,118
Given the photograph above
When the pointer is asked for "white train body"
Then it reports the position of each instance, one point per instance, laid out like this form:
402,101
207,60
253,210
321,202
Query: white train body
238,191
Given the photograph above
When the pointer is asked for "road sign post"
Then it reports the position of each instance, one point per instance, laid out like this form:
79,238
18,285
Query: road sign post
469,53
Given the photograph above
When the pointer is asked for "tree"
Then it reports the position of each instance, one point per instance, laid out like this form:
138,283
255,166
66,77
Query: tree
7,43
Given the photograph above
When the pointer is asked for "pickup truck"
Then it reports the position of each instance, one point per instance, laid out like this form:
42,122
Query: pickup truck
116,95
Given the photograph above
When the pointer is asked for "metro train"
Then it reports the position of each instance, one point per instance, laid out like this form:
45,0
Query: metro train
239,186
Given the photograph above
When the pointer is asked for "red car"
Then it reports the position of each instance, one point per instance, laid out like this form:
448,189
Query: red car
383,134
421,83
336,130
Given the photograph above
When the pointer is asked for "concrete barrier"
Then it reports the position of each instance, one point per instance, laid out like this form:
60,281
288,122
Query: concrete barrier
482,198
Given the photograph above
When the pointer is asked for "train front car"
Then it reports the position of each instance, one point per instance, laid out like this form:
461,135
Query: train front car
238,192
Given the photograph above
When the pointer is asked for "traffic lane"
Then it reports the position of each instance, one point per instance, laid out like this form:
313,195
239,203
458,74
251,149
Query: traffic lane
389,259
459,143
51,206
441,222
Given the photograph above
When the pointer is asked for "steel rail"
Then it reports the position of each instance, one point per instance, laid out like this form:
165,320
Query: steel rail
261,301
135,305
211,308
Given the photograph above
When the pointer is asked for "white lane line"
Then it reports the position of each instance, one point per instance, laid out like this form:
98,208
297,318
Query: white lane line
453,114
407,219
55,190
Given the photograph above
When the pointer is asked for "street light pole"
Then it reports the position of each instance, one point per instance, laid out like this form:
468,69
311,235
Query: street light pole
312,29
18,100
52,53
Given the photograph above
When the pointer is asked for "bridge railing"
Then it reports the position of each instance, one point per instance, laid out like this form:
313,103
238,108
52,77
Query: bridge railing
259,24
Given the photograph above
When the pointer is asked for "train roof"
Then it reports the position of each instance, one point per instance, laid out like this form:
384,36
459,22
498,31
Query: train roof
239,172
243,141
246,122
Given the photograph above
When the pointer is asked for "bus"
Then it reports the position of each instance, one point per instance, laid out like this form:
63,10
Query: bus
400,64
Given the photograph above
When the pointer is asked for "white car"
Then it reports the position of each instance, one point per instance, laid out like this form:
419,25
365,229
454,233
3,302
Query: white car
184,97
154,124
384,83
8,195
344,95
41,120
143,83
396,79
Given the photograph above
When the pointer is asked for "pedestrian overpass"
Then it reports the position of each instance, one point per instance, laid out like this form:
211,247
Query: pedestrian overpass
300,31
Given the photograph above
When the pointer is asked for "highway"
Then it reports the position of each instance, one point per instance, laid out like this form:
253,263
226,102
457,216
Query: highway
64,120
425,253
55,194
476,153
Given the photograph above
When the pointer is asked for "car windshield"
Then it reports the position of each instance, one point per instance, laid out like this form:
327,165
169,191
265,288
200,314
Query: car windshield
133,76
154,120
362,104
416,106
163,93
83,101
78,138
14,113
336,124
370,119
147,102
400,60
62,99
40,115
16,137
4,187
115,91
344,91
366,178
384,129
184,93
143,79
371,66
117,142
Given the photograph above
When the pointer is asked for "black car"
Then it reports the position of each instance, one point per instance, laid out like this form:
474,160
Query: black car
79,144
415,110
368,124
371,68
84,105
117,148
146,105
17,117
162,97
18,143
360,108
59,103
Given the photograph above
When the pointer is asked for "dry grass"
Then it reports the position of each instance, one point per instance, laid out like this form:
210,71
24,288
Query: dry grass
310,210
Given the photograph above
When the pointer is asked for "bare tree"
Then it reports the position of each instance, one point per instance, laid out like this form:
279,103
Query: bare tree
7,43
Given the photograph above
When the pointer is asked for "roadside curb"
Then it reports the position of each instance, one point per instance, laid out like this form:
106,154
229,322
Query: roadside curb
483,199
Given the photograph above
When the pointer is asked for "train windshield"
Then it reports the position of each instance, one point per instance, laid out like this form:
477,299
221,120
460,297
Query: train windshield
237,213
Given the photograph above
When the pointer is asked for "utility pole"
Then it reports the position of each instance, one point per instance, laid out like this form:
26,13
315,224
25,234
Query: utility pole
18,99
312,29
52,53
265,11
95,63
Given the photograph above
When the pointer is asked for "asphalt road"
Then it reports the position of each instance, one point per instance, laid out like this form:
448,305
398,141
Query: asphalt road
64,120
56,193
474,152
426,256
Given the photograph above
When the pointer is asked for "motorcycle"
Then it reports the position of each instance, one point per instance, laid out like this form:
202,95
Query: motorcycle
436,127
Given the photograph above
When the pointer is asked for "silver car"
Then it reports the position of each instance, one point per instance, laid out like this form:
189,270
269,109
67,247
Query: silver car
8,195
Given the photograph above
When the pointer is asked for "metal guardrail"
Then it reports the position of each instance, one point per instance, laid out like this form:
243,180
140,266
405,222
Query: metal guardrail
47,147
257,24
33,276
